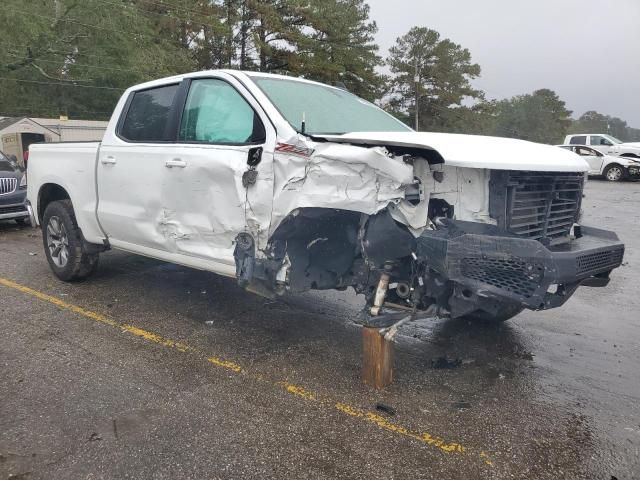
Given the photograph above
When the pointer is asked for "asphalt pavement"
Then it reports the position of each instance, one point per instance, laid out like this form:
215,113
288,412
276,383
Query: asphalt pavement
149,370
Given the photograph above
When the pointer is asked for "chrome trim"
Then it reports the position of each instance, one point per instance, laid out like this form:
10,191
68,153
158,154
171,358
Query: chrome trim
32,216
8,185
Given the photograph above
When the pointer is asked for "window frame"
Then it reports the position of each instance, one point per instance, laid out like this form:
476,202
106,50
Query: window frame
170,129
610,144
183,95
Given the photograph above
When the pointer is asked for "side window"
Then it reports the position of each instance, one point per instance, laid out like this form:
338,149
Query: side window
579,140
216,113
148,115
585,152
598,140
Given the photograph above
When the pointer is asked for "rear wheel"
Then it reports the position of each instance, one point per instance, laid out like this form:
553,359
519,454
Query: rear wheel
64,246
614,172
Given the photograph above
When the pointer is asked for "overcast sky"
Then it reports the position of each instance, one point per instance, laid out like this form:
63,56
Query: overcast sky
588,51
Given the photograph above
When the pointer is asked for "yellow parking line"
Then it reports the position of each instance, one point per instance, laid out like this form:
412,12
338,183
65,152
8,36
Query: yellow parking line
295,390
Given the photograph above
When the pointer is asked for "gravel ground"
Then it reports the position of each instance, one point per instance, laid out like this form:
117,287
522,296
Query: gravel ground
167,372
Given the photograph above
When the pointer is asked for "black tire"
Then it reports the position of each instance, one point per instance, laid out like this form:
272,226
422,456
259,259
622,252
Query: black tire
614,173
60,234
502,314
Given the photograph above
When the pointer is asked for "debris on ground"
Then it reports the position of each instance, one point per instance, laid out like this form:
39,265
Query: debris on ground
389,410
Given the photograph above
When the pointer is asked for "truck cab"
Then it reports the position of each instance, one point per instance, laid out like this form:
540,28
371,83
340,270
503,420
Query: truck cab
290,185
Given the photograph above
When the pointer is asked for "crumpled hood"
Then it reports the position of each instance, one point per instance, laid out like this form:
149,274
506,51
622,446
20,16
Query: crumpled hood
475,151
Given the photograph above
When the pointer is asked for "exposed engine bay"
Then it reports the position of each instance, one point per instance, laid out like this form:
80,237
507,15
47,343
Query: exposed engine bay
424,236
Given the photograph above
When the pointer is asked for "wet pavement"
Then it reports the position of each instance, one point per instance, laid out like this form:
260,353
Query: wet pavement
149,370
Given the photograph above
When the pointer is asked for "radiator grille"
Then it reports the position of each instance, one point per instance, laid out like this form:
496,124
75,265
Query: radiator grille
8,185
512,275
543,204
593,262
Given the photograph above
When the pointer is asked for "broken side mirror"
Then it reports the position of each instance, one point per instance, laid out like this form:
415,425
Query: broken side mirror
254,157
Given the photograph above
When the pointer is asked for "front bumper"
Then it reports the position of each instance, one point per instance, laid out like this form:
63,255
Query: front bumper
13,205
633,170
485,262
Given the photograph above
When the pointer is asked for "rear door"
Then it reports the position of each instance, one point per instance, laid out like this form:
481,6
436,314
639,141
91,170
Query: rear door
210,193
131,169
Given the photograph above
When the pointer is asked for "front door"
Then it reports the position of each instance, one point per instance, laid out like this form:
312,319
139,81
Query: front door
593,158
208,197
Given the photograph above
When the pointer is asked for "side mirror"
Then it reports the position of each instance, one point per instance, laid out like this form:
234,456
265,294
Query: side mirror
254,157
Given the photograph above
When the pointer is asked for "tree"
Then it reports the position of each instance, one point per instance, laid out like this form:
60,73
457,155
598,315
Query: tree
75,57
594,122
540,117
444,72
339,48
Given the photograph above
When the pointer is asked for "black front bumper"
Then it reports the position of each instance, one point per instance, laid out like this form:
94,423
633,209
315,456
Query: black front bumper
492,265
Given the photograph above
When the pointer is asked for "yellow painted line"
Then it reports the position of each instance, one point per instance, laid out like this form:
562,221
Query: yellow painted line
298,391
234,367
295,390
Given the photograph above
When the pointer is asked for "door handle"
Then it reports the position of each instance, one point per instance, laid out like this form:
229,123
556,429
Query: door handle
176,162
108,160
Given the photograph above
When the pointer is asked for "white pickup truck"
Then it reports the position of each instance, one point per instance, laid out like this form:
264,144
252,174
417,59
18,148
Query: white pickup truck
605,144
291,185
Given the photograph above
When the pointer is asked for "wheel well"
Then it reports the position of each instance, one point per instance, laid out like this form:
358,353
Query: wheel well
614,164
50,192
630,155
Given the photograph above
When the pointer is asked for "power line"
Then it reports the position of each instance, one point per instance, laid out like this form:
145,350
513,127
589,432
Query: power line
62,84
87,25
74,64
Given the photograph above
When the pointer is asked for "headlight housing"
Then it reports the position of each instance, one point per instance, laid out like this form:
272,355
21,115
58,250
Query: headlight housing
23,181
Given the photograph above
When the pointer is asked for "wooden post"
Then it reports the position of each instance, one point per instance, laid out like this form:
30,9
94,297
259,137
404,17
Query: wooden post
377,358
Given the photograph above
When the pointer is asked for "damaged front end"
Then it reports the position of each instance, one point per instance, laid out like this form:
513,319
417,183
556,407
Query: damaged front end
412,234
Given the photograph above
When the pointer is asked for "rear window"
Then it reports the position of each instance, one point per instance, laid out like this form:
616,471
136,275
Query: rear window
148,115
579,140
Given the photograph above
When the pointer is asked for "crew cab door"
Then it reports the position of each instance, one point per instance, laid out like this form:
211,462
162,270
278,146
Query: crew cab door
210,194
131,169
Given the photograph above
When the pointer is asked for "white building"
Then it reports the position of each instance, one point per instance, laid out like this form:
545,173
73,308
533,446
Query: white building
17,133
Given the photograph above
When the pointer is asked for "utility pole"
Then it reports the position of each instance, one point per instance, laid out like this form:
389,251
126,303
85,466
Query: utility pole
416,80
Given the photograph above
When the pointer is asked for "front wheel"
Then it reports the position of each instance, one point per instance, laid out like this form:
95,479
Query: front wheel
614,173
64,246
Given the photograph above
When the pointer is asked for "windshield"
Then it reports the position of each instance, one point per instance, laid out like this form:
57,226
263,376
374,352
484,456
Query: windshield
613,140
6,165
326,110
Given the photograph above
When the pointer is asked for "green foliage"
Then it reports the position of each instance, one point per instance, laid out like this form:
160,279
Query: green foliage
444,70
594,122
76,56
540,117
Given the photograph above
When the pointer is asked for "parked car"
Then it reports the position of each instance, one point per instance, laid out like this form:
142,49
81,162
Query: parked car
613,168
604,144
13,191
292,185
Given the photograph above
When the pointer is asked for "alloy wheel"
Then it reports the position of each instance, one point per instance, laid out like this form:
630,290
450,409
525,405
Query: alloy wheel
58,242
614,174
